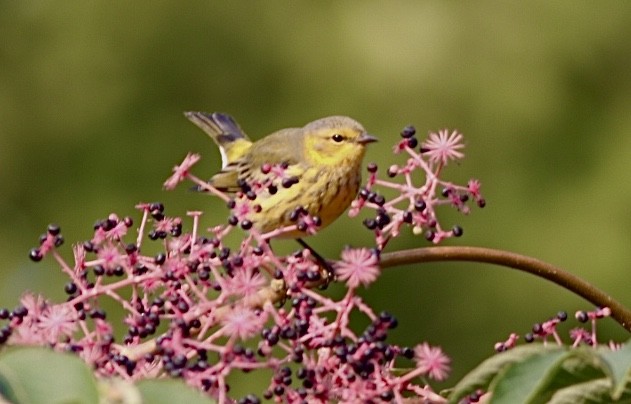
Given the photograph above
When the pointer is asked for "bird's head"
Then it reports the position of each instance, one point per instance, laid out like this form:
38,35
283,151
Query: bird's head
335,141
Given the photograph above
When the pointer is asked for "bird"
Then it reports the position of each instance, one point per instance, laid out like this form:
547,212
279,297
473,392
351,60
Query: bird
321,165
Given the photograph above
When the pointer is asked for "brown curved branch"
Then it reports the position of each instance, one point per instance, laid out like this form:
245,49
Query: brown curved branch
521,262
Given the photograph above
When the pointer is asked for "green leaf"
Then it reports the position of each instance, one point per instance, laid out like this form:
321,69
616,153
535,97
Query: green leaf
39,375
482,376
591,392
170,391
577,366
536,374
527,381
617,364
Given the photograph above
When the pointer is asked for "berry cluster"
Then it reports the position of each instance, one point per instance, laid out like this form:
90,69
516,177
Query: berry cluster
413,204
199,310
543,331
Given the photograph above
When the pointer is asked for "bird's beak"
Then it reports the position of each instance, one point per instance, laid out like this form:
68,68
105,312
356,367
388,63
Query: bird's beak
365,138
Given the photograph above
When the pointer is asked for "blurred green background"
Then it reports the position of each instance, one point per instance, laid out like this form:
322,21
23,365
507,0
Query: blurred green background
92,95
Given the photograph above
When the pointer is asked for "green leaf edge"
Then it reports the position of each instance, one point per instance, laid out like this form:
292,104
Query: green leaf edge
483,375
527,375
618,370
23,355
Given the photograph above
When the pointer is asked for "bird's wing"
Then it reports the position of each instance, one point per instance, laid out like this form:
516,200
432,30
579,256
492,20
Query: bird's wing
283,146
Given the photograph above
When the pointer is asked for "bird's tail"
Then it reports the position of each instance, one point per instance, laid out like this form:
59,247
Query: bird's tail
225,131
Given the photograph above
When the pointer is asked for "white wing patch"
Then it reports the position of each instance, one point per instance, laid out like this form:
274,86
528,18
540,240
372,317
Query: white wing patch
224,157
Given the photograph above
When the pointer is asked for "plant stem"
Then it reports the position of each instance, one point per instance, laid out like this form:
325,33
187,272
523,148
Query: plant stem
521,262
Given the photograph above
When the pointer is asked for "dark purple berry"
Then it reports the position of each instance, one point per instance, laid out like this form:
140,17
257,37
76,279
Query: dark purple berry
387,395
407,352
70,288
59,240
407,216
20,311
35,255
53,229
258,250
98,313
408,132
160,258
371,224
581,316
537,328
288,182
99,270
379,200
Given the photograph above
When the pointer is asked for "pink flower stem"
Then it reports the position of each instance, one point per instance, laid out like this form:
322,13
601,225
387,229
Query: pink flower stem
67,269
141,229
406,378
427,393
121,301
343,313
195,215
201,295
106,289
204,185
363,307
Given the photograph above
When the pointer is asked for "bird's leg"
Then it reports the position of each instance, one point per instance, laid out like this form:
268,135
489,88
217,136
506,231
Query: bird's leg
321,261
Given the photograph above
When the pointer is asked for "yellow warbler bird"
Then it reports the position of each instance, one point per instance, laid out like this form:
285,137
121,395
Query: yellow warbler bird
321,165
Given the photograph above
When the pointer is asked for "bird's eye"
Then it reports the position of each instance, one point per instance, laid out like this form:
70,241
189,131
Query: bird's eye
337,137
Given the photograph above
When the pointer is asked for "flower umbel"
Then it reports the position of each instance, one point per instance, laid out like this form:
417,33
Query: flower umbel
180,172
358,266
57,322
243,323
441,147
432,361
